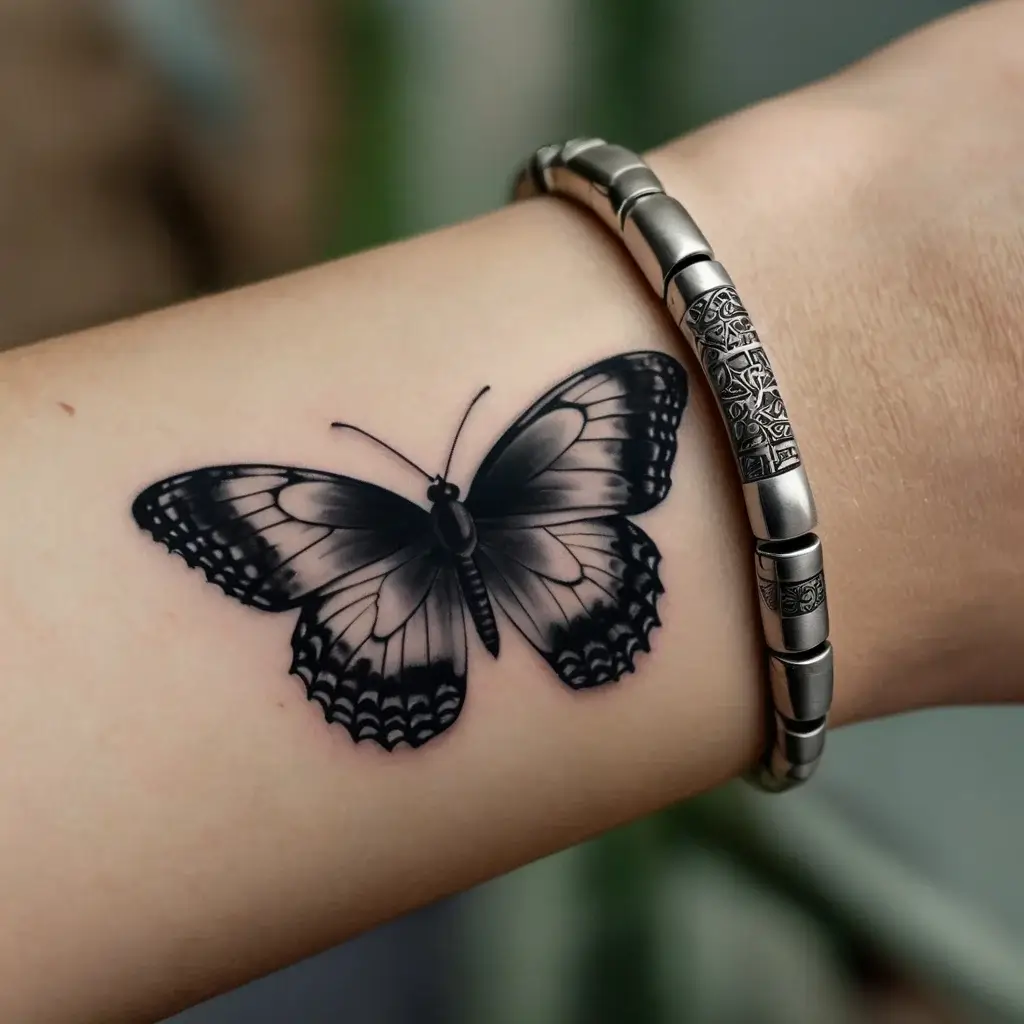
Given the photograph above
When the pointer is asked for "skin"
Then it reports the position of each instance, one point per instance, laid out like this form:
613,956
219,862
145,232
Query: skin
175,817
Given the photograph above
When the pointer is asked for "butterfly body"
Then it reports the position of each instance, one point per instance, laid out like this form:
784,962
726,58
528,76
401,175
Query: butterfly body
456,532
382,584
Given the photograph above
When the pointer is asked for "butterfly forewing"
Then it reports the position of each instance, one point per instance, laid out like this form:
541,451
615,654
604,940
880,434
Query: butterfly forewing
557,552
601,442
271,536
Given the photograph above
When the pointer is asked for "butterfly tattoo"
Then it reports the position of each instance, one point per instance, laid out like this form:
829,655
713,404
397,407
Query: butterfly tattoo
384,586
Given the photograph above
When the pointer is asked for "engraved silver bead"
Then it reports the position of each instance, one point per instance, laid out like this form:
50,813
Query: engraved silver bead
716,324
791,589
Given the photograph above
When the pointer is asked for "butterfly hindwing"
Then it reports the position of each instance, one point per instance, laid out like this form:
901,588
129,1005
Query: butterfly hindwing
407,685
601,442
588,628
381,641
557,553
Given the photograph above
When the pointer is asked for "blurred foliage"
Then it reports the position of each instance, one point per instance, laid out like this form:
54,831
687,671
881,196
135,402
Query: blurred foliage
621,875
364,167
629,91
632,93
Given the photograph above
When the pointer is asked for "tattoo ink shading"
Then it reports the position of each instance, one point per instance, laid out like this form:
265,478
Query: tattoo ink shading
383,586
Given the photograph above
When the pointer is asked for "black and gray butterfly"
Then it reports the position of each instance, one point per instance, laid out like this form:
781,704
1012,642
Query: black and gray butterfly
383,585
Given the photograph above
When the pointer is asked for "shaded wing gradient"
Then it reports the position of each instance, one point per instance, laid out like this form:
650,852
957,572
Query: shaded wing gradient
380,643
377,580
556,551
270,536
408,685
589,629
599,443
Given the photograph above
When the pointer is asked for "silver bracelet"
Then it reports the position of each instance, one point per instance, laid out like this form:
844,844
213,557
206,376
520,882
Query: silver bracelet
680,265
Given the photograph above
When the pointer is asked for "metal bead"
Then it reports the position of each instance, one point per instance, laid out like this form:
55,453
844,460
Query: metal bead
781,507
660,235
625,190
601,166
529,180
563,181
562,178
800,742
574,147
689,284
791,584
718,327
779,776
794,754
802,683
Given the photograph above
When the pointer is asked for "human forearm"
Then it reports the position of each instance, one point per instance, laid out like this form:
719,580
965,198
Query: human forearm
180,818
219,826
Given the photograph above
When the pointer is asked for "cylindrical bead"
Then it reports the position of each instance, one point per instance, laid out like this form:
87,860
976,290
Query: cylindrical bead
625,190
601,165
800,742
659,235
530,181
795,751
791,584
802,683
689,284
563,179
780,507
574,147
777,775
741,376
604,166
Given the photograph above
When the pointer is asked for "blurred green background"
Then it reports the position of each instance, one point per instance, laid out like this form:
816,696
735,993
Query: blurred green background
219,141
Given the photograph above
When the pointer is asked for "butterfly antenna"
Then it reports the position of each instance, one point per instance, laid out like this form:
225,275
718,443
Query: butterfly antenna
383,444
465,416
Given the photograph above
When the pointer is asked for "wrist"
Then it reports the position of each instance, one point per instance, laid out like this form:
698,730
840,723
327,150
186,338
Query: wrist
901,435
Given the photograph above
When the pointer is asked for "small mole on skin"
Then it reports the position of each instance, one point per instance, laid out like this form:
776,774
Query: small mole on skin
280,703
67,407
